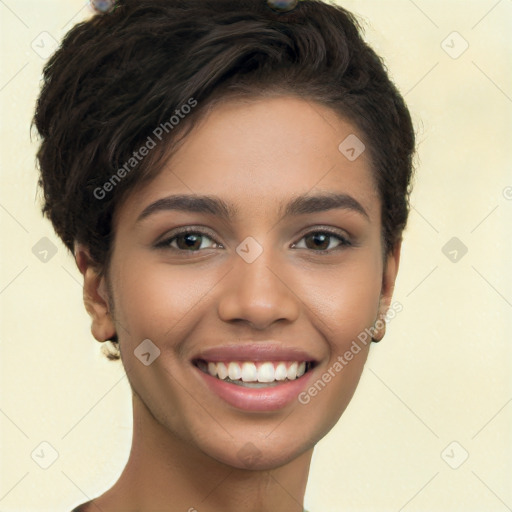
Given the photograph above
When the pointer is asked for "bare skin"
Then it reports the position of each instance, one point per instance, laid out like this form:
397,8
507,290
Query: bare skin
187,442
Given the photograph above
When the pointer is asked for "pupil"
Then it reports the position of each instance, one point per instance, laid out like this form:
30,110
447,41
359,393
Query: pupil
190,240
322,239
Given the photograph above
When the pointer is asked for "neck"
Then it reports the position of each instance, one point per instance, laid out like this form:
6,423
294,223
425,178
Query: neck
164,471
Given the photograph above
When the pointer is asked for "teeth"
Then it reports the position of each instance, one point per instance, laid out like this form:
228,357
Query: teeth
280,372
266,373
212,369
259,372
234,371
249,372
292,371
222,371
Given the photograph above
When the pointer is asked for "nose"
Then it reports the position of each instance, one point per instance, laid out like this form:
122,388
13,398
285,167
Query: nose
258,293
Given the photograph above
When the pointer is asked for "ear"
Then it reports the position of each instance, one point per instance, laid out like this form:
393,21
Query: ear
388,285
95,294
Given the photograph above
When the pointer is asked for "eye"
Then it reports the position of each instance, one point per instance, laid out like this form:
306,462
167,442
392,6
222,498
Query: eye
320,241
187,240
191,240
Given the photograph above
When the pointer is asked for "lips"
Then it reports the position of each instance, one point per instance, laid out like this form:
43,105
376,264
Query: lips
262,351
236,382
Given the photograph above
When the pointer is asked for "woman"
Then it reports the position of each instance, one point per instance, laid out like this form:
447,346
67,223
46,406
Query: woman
232,177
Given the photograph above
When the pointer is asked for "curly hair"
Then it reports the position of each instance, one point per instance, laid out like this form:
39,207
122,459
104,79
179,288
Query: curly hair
118,80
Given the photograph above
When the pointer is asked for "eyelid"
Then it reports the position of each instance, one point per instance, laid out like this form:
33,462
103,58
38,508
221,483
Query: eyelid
327,229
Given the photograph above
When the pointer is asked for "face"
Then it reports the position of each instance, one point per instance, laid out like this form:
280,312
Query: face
307,276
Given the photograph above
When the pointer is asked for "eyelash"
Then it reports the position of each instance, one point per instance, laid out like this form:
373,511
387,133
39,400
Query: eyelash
165,244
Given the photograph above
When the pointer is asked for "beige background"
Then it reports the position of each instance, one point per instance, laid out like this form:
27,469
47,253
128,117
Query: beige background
443,372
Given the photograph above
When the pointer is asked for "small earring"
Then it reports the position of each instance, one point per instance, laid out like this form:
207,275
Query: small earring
282,5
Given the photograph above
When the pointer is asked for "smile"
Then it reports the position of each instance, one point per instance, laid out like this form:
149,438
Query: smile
255,374
255,385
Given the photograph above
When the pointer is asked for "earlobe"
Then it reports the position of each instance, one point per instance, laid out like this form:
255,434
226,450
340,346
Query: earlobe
390,273
388,286
95,294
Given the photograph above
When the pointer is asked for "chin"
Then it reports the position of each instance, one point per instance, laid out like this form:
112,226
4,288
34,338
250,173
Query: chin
257,453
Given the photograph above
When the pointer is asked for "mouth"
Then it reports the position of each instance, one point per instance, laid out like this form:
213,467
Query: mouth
255,374
255,377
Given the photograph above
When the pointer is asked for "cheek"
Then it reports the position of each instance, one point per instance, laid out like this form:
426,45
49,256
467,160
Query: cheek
154,300
347,303
345,298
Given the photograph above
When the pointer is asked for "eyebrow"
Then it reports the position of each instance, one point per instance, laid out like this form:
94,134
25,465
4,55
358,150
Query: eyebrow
300,205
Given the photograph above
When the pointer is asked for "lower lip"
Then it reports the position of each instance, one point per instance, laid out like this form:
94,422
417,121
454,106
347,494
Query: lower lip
260,399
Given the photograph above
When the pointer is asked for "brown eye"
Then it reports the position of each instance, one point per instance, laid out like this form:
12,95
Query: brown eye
320,241
187,241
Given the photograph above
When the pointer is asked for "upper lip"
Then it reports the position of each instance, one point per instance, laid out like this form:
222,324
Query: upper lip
262,351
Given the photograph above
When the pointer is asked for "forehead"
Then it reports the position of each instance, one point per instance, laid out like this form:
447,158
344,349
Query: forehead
257,153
